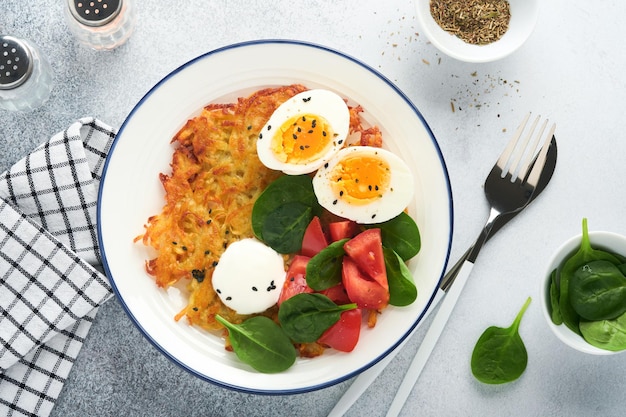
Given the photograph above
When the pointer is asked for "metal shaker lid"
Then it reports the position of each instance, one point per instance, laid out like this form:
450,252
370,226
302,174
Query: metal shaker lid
95,12
16,62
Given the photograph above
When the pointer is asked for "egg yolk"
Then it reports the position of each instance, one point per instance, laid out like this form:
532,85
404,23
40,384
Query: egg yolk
302,139
360,179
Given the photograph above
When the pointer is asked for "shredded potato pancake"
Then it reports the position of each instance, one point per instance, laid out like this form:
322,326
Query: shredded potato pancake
215,179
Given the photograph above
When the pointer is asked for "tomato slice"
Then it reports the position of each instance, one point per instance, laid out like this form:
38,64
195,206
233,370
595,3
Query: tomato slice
296,279
344,229
366,250
344,334
314,238
361,289
337,294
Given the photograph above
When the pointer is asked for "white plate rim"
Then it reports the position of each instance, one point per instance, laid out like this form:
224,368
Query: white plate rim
261,43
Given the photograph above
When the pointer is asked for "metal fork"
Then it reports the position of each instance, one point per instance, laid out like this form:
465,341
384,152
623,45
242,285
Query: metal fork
509,188
545,166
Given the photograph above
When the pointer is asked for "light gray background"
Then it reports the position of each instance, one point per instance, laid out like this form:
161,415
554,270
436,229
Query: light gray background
571,70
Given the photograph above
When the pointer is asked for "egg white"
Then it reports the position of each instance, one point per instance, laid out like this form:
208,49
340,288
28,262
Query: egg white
249,276
318,102
394,199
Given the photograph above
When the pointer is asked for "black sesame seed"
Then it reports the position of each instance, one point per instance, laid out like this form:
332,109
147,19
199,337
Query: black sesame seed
184,248
269,127
311,131
299,129
295,137
326,165
254,289
174,243
208,221
260,135
376,188
369,187
229,298
214,263
195,309
341,193
340,142
334,202
218,291
373,215
303,119
301,147
198,274
324,133
207,252
250,127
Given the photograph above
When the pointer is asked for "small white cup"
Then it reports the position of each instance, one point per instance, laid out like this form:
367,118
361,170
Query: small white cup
524,15
608,241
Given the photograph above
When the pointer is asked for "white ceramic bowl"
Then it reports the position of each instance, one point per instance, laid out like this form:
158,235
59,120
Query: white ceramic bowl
131,192
523,18
612,242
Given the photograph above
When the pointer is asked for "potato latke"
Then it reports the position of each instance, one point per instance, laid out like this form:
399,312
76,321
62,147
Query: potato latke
215,179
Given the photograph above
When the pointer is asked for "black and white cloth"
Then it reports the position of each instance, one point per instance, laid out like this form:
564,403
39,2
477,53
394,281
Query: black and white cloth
50,284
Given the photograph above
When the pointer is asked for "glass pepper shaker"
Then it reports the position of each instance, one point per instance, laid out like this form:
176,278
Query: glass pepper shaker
100,24
25,75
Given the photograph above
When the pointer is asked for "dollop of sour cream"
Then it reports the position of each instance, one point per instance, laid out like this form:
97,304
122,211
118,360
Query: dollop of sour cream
249,276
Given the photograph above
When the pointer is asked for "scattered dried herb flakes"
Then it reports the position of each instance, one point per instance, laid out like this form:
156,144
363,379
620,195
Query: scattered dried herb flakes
479,92
477,22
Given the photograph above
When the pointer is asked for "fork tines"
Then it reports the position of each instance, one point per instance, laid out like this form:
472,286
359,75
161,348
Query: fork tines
518,149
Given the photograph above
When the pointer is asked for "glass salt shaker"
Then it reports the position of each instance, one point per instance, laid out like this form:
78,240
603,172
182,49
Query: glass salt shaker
25,75
100,24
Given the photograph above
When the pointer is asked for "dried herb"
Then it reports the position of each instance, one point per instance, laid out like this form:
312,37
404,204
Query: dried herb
478,22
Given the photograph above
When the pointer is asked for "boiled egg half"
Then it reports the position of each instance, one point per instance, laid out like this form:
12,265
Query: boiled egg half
364,184
249,276
304,132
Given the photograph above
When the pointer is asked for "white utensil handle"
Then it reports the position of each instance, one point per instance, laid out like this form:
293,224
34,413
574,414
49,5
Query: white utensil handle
430,340
365,379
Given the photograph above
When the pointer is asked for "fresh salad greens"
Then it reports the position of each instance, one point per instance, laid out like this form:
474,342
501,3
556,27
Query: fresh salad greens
500,355
588,295
324,269
401,234
267,346
306,316
328,284
261,343
283,211
402,289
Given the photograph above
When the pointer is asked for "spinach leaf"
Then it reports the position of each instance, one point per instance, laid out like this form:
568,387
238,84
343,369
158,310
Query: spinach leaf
402,289
400,234
306,316
500,355
284,229
605,334
584,254
598,291
286,189
261,343
324,269
555,312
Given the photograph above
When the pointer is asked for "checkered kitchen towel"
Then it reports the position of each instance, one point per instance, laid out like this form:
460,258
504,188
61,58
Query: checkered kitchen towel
50,287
